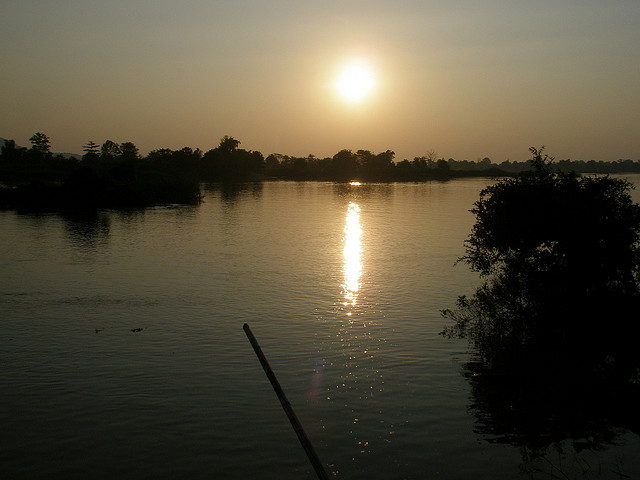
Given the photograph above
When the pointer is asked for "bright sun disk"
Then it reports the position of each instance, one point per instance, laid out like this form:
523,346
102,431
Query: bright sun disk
355,82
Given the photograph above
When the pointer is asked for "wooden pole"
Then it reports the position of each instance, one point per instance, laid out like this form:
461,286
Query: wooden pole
295,423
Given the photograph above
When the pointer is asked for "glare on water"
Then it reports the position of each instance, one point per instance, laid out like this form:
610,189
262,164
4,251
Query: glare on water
352,254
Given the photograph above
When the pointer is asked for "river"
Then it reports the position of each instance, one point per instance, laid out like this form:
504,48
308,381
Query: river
122,353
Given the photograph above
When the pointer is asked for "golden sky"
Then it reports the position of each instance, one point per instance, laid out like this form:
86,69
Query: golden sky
467,79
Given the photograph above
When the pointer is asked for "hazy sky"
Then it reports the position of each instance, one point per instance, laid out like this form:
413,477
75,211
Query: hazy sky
467,79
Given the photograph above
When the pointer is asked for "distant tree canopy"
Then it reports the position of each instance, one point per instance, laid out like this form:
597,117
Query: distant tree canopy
560,259
111,176
227,162
91,151
40,143
110,149
128,151
10,151
228,144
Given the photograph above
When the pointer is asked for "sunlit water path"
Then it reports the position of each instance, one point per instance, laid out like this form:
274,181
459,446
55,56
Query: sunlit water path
122,353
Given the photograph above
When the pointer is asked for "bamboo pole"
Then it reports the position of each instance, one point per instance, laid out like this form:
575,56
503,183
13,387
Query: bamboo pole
295,423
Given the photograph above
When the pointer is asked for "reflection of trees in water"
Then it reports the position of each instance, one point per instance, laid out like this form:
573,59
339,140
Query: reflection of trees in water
230,192
550,416
88,231
537,411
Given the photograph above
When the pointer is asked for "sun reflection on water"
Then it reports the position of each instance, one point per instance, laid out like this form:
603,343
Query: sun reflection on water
356,365
352,255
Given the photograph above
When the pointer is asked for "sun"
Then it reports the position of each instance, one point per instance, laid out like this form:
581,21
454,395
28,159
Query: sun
355,82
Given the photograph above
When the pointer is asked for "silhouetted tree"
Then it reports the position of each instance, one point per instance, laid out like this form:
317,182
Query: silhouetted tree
128,151
419,163
229,162
189,152
10,151
228,145
110,150
560,255
443,165
8,146
431,157
272,162
159,154
344,165
40,143
91,151
406,170
375,166
484,163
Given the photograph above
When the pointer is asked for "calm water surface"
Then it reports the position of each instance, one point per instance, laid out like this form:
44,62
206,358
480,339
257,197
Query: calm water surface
122,353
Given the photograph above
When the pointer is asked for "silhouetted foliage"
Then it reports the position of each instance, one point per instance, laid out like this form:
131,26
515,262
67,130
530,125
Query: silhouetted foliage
115,178
560,258
228,145
91,151
229,163
10,153
40,143
110,150
19,165
554,323
344,165
442,165
375,166
128,151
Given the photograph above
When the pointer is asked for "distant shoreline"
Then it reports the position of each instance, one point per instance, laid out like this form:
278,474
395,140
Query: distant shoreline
117,176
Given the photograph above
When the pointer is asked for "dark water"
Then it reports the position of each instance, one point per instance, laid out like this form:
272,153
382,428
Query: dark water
122,353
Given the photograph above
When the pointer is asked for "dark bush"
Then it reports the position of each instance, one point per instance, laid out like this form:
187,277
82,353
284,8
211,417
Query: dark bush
560,258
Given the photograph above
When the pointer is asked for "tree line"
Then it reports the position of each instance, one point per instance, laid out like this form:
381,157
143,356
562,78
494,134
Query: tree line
116,174
229,161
